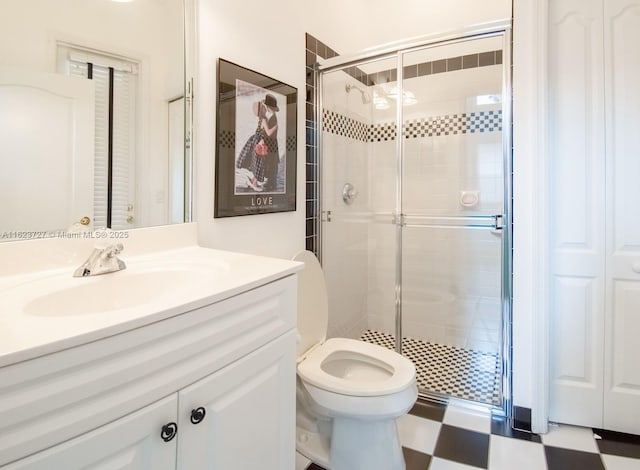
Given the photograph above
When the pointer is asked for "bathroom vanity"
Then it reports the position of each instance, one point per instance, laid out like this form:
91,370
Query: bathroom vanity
199,375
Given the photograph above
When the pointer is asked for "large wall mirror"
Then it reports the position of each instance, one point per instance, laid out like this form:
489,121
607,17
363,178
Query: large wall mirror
94,115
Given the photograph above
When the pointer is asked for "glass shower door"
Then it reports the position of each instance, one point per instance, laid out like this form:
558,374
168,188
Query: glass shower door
359,181
453,203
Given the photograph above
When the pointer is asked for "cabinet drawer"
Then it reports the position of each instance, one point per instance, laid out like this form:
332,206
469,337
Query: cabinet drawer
53,398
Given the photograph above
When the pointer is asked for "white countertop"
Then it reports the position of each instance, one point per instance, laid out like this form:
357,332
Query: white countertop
219,275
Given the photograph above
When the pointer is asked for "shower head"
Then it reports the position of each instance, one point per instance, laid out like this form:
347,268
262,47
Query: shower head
366,99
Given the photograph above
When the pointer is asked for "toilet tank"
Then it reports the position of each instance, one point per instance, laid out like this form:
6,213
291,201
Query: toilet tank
313,307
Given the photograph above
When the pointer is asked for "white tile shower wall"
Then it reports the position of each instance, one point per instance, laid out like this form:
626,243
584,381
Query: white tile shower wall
344,265
382,176
448,274
337,99
451,286
381,277
382,237
345,241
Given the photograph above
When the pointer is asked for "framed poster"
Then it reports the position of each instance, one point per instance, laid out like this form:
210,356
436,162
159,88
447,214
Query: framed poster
256,143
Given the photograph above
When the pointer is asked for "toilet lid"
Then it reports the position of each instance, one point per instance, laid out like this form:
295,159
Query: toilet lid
313,308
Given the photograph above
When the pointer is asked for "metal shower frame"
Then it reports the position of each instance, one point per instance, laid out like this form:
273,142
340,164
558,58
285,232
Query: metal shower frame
397,51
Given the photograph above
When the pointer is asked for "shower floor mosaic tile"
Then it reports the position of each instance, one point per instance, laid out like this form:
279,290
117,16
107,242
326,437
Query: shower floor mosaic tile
452,371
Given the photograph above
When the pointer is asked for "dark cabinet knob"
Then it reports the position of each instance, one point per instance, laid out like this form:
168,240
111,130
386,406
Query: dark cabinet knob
197,415
169,431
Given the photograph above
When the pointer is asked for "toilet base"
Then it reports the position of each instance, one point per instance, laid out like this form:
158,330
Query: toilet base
313,446
365,445
356,445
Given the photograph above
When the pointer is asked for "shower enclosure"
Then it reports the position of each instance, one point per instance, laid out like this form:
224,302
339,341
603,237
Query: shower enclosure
415,157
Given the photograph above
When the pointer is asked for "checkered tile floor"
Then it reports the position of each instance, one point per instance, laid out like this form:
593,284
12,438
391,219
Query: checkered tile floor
438,437
455,372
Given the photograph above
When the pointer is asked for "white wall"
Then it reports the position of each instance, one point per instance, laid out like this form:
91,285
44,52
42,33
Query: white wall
354,25
268,38
529,207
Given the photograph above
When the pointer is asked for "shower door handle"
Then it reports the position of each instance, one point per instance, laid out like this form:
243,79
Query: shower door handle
497,222
488,221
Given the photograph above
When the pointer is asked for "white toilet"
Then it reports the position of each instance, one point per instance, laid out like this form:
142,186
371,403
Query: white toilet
349,392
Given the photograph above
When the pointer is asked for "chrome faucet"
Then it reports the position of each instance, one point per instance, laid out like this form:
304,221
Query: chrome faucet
102,261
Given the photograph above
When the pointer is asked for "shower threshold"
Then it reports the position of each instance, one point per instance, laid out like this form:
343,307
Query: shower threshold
449,370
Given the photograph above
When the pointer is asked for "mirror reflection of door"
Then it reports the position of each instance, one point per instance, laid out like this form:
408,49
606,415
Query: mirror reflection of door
116,87
44,114
177,173
144,43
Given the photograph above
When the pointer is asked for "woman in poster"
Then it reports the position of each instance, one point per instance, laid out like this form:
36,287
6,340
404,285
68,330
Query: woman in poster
259,156
267,165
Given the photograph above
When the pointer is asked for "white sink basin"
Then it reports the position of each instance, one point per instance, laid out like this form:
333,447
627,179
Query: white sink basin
116,291
50,310
142,285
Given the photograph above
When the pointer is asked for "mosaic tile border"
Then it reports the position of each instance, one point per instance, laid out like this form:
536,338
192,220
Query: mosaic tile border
435,126
449,64
345,126
452,371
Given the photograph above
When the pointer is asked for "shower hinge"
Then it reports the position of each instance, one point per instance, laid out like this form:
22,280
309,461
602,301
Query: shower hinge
326,216
497,222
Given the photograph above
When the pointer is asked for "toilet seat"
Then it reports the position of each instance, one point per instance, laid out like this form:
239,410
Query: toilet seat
400,370
368,370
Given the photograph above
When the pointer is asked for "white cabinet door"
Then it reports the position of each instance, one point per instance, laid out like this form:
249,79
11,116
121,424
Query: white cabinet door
130,443
622,329
249,419
576,130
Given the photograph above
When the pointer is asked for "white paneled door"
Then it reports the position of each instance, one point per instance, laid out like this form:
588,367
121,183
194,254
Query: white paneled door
46,151
622,328
577,165
594,109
